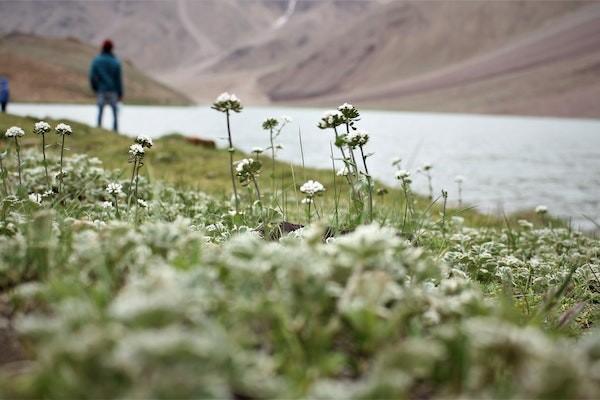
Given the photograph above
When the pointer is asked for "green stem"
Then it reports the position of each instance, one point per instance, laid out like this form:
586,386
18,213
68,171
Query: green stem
256,188
231,150
370,192
272,162
62,153
18,159
135,161
45,162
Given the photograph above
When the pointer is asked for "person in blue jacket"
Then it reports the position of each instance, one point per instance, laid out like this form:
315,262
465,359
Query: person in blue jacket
106,81
4,93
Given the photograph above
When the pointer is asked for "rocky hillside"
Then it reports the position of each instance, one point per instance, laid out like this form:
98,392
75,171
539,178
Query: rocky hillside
516,57
51,69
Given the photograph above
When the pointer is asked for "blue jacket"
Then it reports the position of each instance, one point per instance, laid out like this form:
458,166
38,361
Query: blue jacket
105,74
4,91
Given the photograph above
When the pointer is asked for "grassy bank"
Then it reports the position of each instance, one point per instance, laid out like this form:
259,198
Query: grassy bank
175,161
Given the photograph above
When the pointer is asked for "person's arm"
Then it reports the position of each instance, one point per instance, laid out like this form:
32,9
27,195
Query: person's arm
93,76
119,81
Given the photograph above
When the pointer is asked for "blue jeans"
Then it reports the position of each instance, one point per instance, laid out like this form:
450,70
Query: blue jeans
112,99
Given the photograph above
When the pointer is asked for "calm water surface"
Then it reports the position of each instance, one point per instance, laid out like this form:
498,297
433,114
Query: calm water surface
510,163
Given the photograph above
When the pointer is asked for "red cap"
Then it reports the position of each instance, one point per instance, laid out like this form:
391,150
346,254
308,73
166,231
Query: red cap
107,45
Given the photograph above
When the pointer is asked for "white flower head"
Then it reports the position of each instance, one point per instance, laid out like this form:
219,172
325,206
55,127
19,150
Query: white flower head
357,138
257,150
142,203
225,102
41,128
35,198
541,209
144,141
107,205
63,129
136,150
114,188
14,131
402,174
312,188
459,179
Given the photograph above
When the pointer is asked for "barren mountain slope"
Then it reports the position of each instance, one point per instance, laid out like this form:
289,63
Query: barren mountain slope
51,69
405,39
156,35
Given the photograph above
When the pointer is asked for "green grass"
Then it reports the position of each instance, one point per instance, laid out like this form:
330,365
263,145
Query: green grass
183,165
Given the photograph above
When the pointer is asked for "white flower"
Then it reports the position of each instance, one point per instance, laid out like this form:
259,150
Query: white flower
107,205
136,150
41,128
142,203
63,129
541,209
35,198
14,131
226,102
144,141
307,200
114,188
257,150
312,188
346,106
223,97
243,164
357,138
402,174
459,179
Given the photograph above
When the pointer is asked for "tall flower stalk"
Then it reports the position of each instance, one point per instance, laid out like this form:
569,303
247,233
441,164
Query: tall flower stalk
358,139
137,151
248,170
62,130
274,126
311,190
115,190
42,128
226,103
427,171
15,132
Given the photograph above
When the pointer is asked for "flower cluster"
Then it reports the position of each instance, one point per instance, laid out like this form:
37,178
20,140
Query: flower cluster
312,188
14,132
114,189
270,123
144,141
63,129
357,138
227,102
41,128
331,119
247,169
136,151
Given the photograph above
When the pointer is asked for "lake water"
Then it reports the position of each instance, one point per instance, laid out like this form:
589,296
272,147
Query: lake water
509,163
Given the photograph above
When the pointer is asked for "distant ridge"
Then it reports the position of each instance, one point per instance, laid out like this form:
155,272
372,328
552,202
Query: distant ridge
521,57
